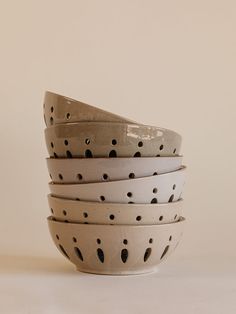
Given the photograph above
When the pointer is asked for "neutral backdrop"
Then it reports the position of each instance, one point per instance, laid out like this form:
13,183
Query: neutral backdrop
165,63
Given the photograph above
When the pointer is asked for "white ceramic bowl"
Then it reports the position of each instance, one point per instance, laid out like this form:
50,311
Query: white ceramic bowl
162,188
86,170
104,139
61,109
118,214
115,250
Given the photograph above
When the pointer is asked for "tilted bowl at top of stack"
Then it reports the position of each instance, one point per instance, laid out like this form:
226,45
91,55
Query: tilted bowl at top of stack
60,109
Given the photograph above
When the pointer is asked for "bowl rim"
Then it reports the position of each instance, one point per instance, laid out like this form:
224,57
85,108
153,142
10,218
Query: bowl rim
113,158
182,169
134,205
181,220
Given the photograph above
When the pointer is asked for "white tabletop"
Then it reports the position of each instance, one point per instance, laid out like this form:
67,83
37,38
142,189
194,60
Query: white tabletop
51,285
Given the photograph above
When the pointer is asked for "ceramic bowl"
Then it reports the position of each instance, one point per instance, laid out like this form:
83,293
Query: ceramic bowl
60,109
104,139
86,170
117,214
115,250
162,188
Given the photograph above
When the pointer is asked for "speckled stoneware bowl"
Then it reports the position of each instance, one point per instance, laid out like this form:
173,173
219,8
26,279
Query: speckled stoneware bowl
104,139
162,188
118,249
111,213
86,170
61,109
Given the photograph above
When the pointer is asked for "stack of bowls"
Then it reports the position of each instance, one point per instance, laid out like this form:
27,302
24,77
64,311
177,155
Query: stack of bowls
111,212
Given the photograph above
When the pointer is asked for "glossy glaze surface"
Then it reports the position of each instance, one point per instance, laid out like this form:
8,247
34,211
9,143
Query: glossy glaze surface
98,139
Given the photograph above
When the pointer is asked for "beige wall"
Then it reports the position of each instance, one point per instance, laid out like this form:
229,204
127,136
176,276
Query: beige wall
166,63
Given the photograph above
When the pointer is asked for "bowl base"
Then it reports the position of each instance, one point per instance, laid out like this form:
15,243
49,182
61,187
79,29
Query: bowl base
119,272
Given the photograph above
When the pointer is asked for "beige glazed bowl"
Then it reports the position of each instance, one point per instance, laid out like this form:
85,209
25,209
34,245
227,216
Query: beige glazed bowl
104,139
115,250
111,213
162,188
61,109
86,170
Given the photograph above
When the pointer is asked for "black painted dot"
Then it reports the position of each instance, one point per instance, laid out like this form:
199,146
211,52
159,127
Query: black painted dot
174,186
52,109
57,236
51,210
155,173
68,154
161,147
85,215
124,255
165,251
55,155
52,144
150,240
114,142
102,198
112,217
137,154
147,254
74,239
171,198
154,190
63,251
170,238
79,254
68,116
66,142
88,153
100,255
140,144
99,241
161,218
87,141
131,175
79,176
51,120
174,151
125,241
64,212
112,153
138,218
60,176
154,201
129,194
105,176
